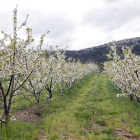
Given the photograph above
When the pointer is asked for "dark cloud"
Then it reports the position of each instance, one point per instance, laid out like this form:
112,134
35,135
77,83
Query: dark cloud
112,17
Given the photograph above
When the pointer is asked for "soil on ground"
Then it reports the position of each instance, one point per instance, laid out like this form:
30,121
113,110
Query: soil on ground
28,115
126,134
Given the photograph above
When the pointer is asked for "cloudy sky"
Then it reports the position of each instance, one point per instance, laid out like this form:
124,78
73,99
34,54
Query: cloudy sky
77,24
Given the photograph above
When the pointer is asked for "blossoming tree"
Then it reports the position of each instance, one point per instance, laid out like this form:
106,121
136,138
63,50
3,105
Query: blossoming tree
13,64
124,72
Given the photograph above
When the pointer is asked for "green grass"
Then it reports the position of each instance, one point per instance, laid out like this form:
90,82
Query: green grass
89,111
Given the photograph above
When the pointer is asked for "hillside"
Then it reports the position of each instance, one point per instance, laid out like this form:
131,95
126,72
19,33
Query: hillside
98,53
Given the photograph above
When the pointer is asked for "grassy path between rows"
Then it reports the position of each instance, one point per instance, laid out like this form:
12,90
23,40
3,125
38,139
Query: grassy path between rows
90,111
68,123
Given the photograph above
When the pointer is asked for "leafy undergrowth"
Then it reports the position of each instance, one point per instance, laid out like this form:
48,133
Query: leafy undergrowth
90,111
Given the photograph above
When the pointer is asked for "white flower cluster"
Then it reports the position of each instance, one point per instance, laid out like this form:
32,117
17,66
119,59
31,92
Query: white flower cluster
124,71
55,71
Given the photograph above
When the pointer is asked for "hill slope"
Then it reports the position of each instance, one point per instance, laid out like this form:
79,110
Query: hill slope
98,53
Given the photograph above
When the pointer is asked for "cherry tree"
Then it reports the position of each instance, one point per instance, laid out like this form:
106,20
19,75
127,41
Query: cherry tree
14,56
61,71
124,72
32,89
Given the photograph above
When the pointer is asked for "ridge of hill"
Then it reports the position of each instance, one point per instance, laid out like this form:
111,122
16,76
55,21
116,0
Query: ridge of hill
97,54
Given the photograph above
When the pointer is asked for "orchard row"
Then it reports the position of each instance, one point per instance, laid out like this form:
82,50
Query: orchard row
124,71
26,73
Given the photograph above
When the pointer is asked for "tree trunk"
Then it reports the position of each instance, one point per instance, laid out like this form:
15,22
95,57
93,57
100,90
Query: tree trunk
138,99
7,117
1,97
38,107
131,97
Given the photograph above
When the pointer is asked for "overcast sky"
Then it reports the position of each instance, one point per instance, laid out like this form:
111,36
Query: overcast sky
77,24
